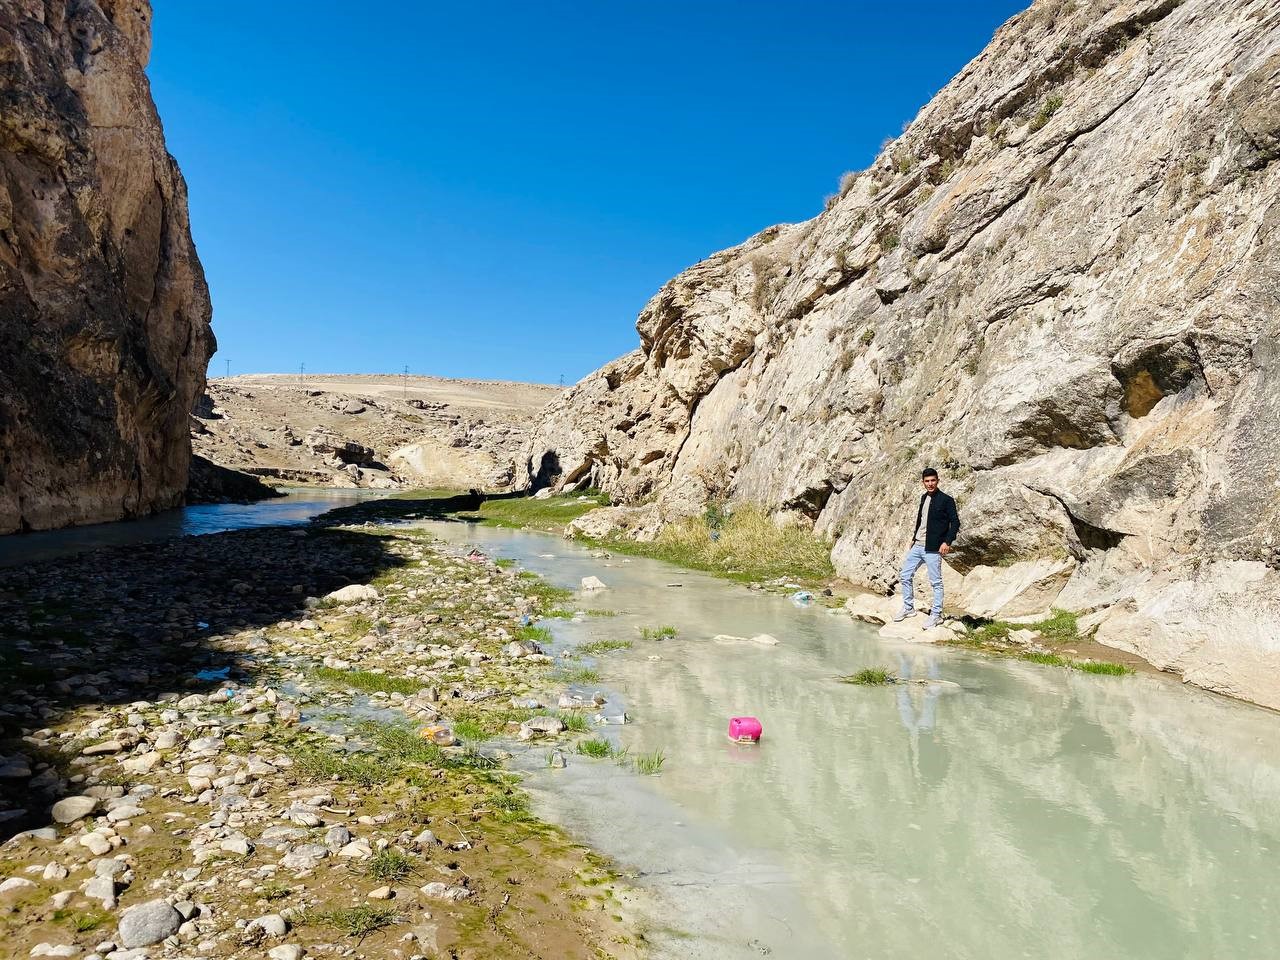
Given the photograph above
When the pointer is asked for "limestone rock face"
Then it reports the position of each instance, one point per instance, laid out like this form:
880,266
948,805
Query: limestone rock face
104,311
1060,287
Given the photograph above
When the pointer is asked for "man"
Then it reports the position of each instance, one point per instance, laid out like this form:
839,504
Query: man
937,524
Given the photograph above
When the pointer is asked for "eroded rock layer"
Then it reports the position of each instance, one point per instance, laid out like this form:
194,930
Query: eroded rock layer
104,311
1061,287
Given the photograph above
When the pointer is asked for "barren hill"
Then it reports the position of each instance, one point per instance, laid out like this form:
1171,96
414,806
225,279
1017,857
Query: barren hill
369,430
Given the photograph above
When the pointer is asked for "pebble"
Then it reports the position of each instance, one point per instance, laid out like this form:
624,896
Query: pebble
286,951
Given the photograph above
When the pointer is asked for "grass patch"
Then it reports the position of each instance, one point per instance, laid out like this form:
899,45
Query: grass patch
467,728
596,647
549,514
504,562
744,544
658,633
596,747
1059,629
84,922
574,722
539,635
581,675
353,921
360,769
650,764
869,677
1051,105
274,890
547,596
1101,668
367,680
391,866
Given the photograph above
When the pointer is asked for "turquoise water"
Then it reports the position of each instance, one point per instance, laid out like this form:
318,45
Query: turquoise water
1015,811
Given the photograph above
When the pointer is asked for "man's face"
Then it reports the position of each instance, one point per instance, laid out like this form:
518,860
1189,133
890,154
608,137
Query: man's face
930,484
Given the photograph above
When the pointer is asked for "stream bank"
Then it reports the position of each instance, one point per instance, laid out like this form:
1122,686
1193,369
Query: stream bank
198,759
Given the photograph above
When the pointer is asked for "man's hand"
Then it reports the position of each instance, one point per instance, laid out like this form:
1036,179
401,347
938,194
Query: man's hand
944,549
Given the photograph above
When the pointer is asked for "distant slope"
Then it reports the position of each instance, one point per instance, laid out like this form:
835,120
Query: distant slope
370,430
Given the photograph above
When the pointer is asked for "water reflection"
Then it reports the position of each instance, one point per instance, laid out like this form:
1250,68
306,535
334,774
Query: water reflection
1026,811
298,506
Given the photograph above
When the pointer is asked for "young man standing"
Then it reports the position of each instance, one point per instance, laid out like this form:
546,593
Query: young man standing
937,524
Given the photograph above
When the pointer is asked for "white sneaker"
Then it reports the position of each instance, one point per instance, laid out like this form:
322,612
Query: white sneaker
902,615
931,622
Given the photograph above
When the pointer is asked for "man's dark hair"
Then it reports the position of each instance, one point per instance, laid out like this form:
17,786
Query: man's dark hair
928,472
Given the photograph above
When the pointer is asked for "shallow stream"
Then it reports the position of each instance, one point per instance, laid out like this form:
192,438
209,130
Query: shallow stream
1026,811
297,506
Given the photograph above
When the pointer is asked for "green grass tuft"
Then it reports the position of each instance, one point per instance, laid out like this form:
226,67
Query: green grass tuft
539,635
391,866
367,680
596,647
1101,668
869,677
650,764
580,675
659,633
353,921
596,747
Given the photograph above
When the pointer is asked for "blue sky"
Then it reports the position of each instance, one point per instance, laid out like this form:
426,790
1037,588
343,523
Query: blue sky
495,190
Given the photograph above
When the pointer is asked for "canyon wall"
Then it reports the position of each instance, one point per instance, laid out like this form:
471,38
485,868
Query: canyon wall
1061,288
104,311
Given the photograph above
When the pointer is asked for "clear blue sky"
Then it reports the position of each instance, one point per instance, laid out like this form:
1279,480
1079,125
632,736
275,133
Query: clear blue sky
495,190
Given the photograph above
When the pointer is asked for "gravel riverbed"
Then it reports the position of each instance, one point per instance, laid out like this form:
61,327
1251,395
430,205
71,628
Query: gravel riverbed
281,743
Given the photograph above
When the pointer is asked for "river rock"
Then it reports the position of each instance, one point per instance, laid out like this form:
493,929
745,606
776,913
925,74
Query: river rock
71,809
15,885
272,925
592,584
286,951
148,923
354,593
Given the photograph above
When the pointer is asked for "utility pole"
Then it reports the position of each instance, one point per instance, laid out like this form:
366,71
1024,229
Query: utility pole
562,379
228,363
302,369
404,384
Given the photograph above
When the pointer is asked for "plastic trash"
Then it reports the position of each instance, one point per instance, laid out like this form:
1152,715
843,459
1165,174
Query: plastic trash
439,734
202,625
802,598
213,673
525,619
744,729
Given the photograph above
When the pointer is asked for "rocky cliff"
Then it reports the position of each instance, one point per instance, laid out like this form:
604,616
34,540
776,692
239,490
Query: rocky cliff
104,312
1061,287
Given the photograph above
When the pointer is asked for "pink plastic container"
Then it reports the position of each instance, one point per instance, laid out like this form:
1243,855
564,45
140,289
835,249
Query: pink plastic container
744,729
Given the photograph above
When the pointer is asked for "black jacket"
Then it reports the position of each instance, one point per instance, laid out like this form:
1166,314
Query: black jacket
943,520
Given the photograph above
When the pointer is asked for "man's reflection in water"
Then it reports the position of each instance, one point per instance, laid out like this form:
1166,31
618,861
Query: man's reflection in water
917,708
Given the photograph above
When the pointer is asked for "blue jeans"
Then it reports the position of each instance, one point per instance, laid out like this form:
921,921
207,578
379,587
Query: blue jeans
933,561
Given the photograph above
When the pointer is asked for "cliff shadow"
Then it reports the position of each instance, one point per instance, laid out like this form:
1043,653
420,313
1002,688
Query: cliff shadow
407,508
140,623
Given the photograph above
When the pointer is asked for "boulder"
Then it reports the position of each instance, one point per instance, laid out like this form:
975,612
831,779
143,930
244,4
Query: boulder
148,923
